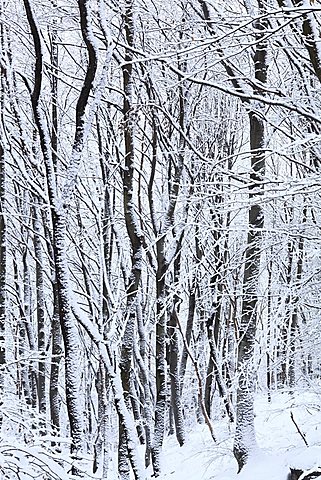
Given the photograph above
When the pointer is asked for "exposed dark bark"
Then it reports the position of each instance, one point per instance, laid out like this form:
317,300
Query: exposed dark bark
27,319
59,213
160,355
134,234
56,336
146,400
40,300
3,255
224,394
214,371
173,349
56,356
106,228
294,320
24,386
188,331
309,37
3,241
137,411
101,442
174,181
296,474
54,54
269,334
176,400
245,433
200,384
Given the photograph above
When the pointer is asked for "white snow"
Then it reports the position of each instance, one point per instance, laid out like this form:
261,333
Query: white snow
280,444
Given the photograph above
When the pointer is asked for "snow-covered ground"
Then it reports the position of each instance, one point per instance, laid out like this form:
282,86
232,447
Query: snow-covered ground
280,444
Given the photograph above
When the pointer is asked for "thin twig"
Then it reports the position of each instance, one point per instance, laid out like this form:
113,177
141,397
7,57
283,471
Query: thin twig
298,429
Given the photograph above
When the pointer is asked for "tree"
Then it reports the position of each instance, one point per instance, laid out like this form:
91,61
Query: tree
245,434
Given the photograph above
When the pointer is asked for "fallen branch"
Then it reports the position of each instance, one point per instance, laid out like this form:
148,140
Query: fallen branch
302,435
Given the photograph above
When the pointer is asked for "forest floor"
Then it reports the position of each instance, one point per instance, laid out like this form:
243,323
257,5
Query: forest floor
280,445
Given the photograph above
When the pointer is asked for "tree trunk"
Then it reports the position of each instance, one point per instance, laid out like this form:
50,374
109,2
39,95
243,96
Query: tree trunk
3,235
134,234
56,355
176,400
101,454
245,441
70,335
40,300
294,320
160,356
59,208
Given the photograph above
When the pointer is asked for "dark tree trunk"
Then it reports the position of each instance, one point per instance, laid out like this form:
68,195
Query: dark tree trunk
22,343
294,320
56,356
296,474
59,209
268,338
146,401
56,336
101,446
188,331
245,439
3,241
69,334
176,400
134,234
40,300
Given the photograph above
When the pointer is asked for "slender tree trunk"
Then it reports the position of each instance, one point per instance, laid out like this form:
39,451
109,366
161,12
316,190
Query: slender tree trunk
56,356
268,337
40,300
59,209
3,241
56,336
147,405
176,397
101,455
30,340
70,335
294,320
134,234
23,375
245,440
188,331
160,356
135,401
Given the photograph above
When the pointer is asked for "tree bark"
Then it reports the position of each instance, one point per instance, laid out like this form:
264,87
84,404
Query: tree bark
40,300
245,440
134,234
59,210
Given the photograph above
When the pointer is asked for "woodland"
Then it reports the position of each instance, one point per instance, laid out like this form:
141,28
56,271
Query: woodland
160,228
